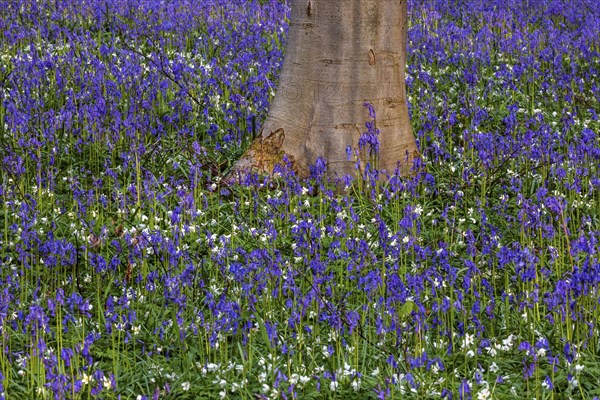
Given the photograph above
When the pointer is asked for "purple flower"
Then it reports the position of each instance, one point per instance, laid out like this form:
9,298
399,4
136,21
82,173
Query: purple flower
464,390
447,394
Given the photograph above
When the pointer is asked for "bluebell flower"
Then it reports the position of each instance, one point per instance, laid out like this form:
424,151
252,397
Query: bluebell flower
464,390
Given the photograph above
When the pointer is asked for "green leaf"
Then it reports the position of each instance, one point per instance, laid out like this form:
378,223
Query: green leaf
406,309
263,330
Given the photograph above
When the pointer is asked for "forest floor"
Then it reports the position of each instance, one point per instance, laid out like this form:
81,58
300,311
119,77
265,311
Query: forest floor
128,271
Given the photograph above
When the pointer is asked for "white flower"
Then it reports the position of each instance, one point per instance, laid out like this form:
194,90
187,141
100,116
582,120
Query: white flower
494,367
212,367
185,386
541,352
85,379
333,385
509,340
484,393
468,340
106,382
262,377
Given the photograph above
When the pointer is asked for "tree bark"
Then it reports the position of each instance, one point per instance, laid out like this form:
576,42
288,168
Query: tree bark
340,55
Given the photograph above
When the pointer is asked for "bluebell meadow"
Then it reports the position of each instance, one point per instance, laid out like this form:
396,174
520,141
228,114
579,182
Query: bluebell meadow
128,270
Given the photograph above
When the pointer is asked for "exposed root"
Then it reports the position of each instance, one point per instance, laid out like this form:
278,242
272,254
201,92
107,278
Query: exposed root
262,156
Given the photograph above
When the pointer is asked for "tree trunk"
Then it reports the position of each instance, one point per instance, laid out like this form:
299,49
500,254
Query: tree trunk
340,55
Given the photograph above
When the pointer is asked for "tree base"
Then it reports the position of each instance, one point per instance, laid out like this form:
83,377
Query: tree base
265,152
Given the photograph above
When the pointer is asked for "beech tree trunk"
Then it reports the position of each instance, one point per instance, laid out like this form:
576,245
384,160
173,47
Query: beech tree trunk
340,55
